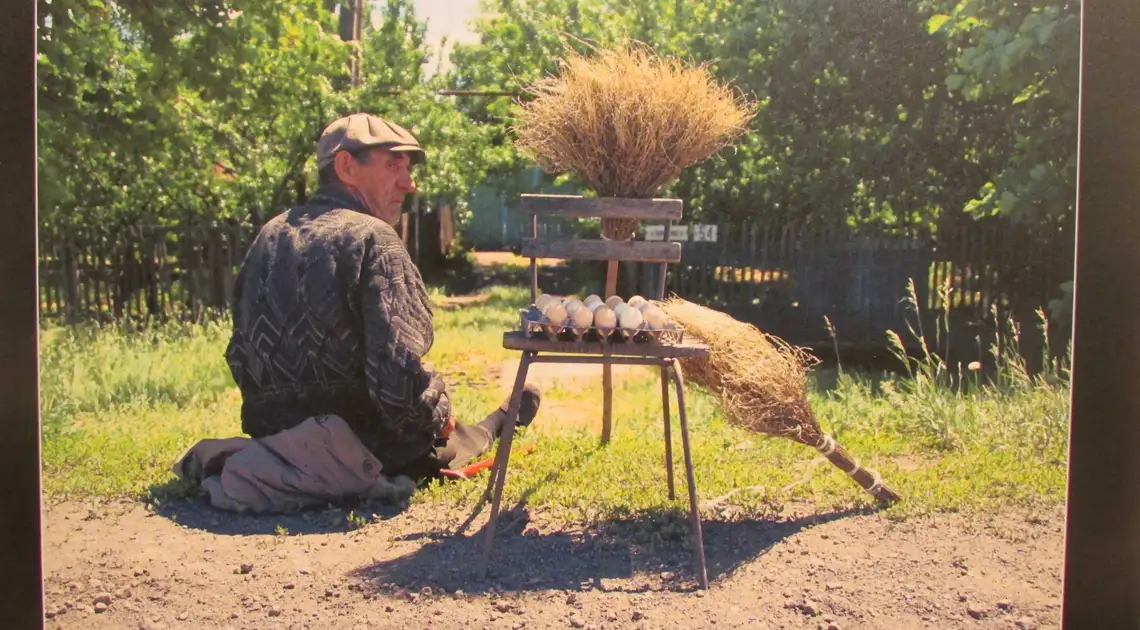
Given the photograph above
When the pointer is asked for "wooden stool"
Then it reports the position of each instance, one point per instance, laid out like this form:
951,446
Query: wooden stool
539,349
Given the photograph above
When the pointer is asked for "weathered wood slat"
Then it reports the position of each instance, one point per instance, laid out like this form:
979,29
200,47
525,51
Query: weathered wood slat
602,207
590,249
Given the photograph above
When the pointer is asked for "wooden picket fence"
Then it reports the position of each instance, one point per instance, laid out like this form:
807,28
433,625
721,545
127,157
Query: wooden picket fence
784,278
787,278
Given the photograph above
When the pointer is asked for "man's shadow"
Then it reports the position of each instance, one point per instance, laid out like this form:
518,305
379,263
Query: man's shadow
188,506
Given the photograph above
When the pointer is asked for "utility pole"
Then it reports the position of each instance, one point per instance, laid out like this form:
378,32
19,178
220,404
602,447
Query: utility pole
357,36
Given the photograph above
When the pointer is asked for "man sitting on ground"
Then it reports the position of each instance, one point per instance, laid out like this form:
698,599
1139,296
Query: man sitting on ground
331,317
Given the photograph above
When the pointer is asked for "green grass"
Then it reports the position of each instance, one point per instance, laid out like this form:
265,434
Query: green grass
120,406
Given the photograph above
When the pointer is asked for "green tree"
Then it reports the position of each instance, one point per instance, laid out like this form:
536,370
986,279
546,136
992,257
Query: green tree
1027,54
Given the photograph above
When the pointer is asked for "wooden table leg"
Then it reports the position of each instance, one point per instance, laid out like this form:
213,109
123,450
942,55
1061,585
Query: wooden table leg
695,516
502,459
668,430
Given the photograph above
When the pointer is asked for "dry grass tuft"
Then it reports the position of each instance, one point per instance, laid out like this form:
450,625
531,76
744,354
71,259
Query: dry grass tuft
762,381
628,121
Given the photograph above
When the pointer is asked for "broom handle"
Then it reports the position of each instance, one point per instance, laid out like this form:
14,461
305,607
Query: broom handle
607,369
867,478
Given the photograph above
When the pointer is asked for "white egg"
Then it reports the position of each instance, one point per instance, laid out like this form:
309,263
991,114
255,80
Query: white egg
572,306
620,308
582,317
645,306
636,301
656,318
555,314
604,318
593,306
590,299
613,301
630,319
542,301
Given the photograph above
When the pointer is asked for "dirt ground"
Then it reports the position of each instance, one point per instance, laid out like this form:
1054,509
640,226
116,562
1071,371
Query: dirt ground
126,565
123,565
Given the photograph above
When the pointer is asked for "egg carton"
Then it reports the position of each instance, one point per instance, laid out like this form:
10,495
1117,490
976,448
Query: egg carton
669,335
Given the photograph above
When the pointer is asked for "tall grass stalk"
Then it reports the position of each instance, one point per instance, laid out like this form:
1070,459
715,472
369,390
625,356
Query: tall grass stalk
956,407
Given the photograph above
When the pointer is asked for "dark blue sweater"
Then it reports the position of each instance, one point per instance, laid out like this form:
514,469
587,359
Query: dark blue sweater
331,317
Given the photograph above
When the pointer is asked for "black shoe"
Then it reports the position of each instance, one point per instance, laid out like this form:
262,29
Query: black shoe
528,405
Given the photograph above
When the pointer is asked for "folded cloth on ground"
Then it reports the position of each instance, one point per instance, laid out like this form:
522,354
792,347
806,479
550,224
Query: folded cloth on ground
317,462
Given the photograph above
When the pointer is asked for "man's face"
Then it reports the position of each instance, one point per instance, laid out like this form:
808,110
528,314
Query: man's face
381,178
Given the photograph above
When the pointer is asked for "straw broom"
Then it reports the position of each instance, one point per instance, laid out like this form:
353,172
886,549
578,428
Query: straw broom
762,384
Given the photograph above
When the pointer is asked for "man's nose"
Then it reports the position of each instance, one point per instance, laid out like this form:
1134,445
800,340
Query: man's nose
407,184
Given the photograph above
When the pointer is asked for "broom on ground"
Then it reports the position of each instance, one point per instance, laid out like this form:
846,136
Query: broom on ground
762,384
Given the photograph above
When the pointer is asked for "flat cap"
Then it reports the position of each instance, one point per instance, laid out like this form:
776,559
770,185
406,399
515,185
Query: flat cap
359,131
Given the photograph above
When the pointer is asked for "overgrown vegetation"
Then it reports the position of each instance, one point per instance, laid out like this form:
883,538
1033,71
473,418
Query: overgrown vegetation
121,405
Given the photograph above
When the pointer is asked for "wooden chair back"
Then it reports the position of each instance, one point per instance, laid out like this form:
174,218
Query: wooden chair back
656,210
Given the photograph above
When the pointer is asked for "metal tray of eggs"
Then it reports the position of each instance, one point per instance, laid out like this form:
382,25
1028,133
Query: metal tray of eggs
594,320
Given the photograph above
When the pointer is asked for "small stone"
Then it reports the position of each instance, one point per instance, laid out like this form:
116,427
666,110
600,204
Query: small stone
437,612
426,591
289,586
611,616
963,597
576,622
329,592
245,568
305,571
184,616
124,593
833,586
501,605
833,626
388,608
975,612
572,599
1005,604
103,598
1026,623
638,615
100,607
235,615
275,612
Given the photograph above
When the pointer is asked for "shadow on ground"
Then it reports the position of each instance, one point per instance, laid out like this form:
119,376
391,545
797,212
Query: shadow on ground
645,552
190,508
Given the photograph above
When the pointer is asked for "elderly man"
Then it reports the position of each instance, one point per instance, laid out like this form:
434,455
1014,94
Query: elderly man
331,317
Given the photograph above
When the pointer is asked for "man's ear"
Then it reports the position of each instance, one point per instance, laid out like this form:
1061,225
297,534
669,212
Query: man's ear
346,167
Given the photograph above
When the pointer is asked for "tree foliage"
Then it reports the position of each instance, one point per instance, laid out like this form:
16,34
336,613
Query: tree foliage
168,112
891,114
886,114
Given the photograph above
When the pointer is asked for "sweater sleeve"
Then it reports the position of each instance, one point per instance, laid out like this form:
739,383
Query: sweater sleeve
398,333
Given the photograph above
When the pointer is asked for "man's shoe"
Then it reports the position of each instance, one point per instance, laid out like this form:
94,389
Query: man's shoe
528,405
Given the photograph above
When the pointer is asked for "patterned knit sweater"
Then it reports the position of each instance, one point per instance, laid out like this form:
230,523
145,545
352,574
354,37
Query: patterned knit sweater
331,317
